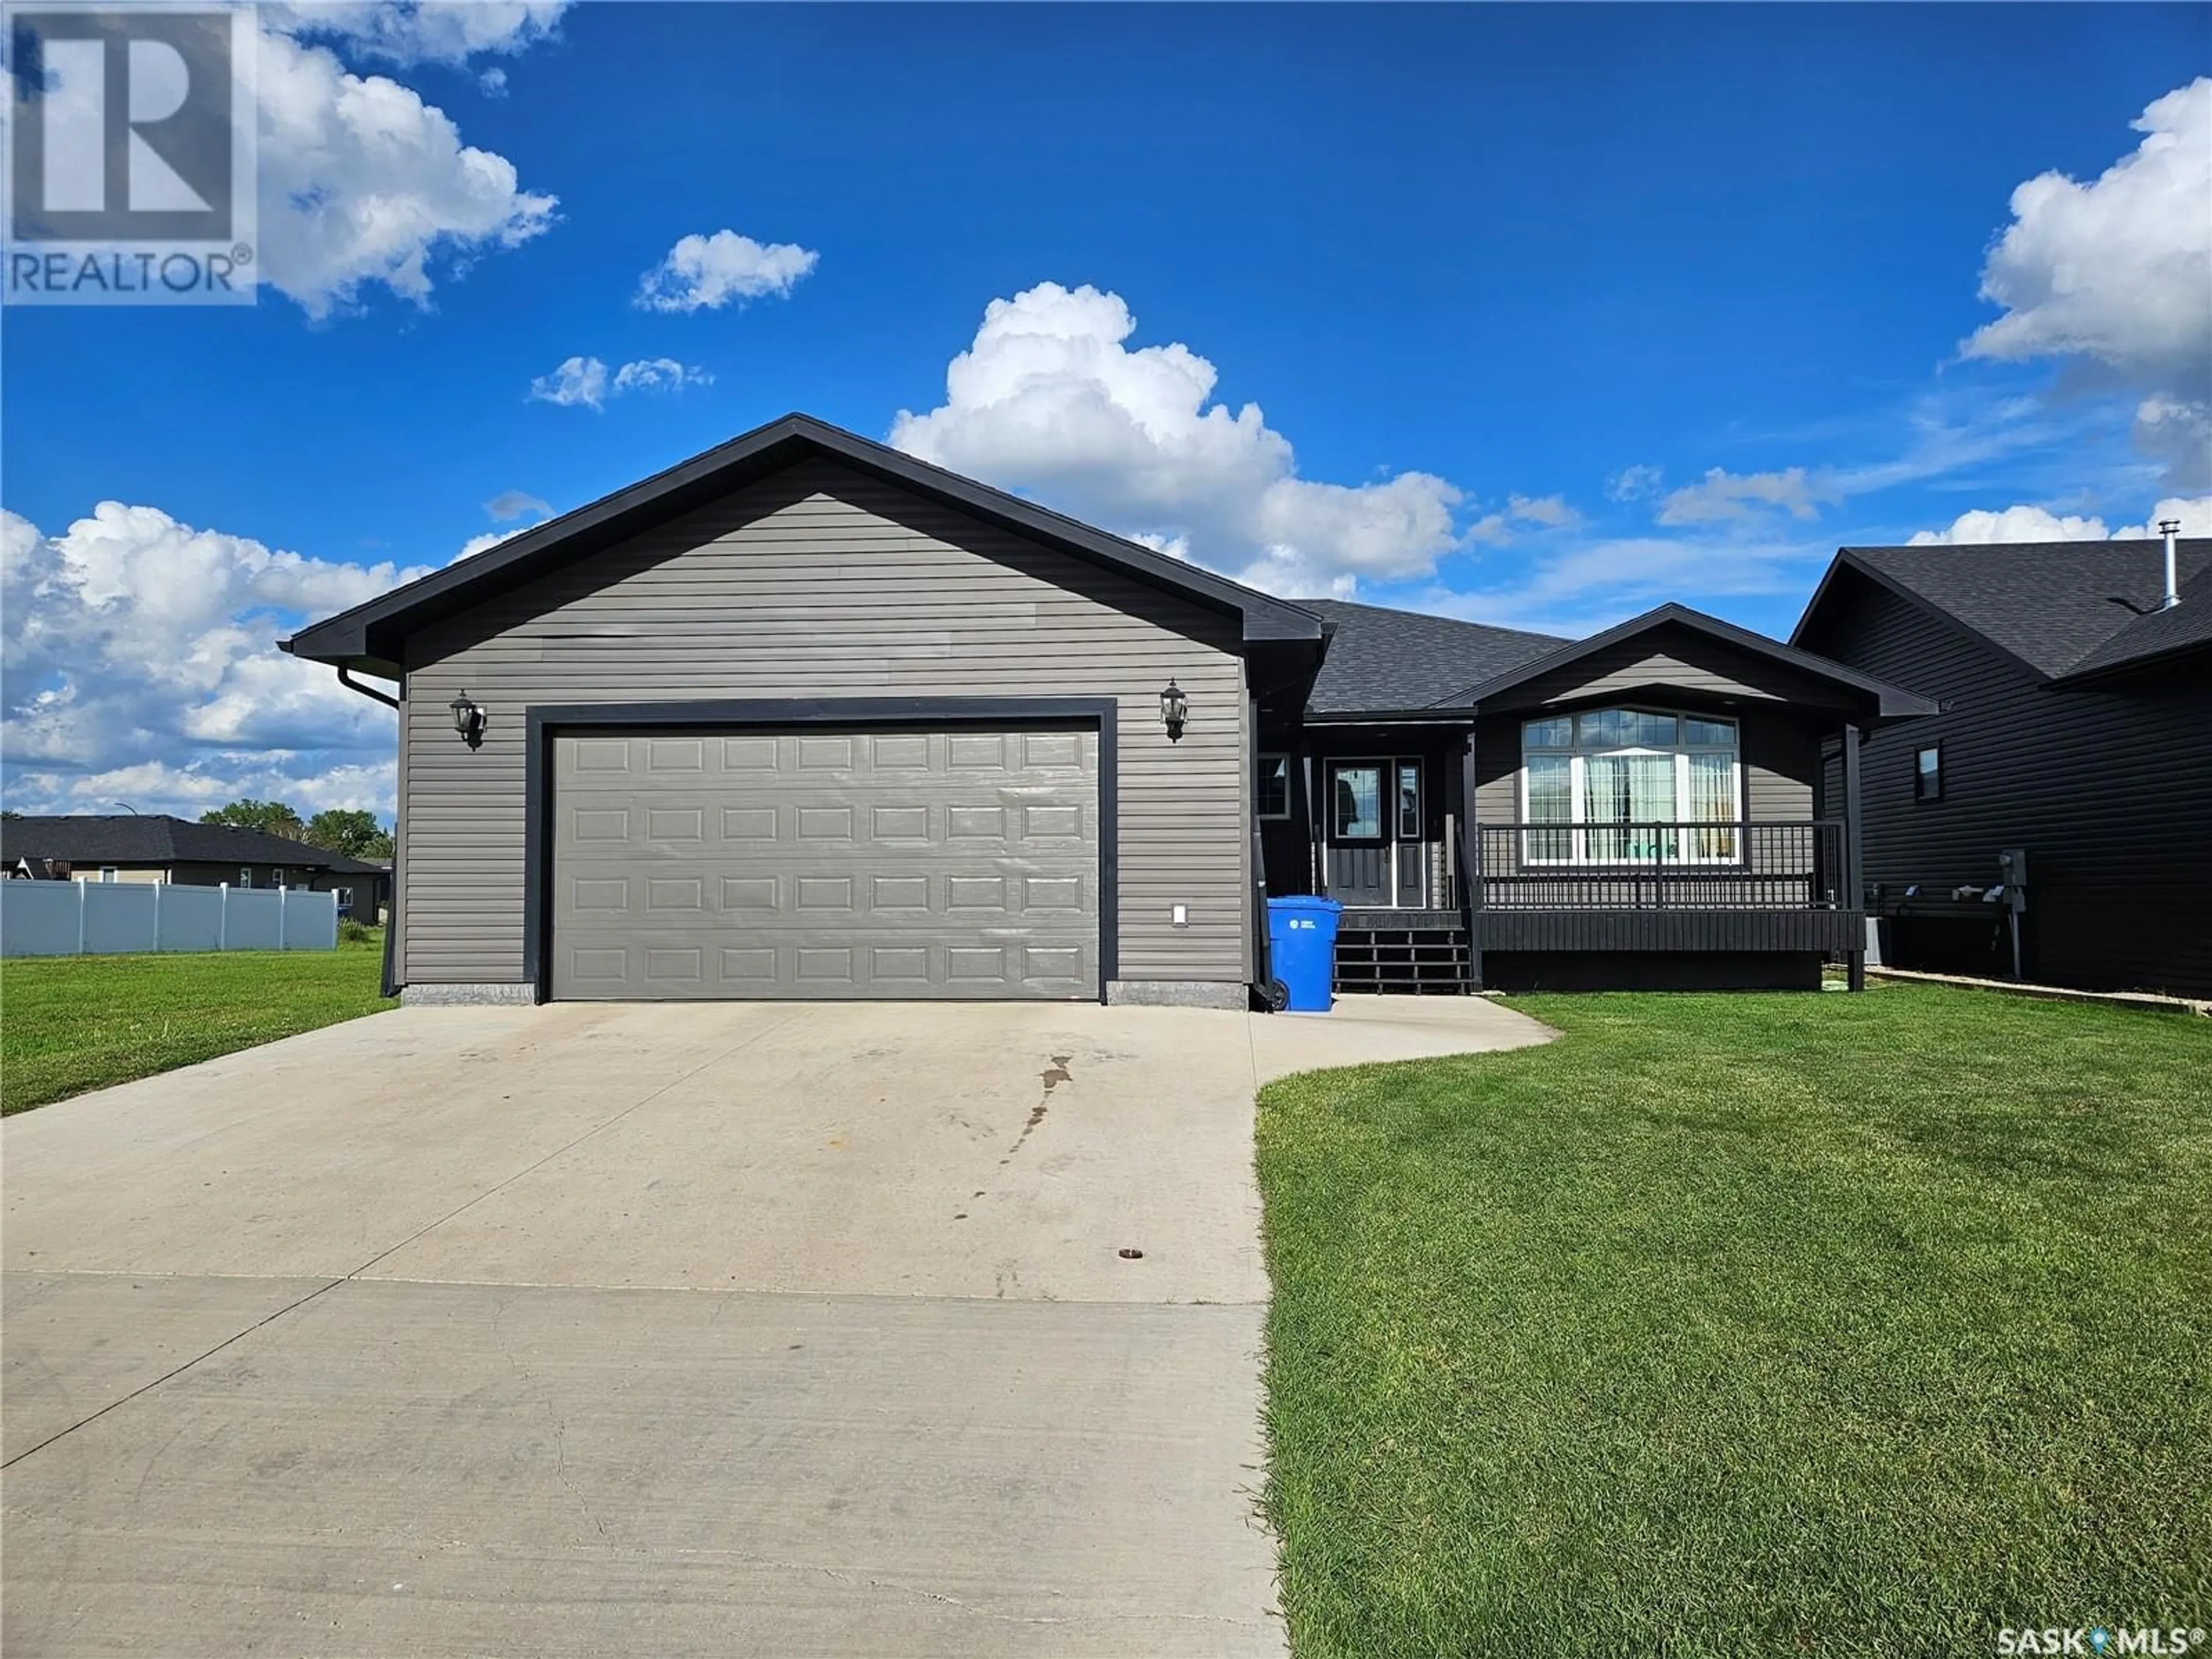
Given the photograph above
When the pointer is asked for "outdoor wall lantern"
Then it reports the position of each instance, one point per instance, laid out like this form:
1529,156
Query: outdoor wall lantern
1175,709
468,720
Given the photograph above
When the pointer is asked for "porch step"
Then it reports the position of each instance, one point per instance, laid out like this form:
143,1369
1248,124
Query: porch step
1384,919
1413,961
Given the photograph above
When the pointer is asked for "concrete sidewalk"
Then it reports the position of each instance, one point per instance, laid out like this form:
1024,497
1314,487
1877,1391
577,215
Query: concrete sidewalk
781,1329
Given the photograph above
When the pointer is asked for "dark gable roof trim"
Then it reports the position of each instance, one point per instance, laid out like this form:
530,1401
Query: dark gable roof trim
1890,701
367,637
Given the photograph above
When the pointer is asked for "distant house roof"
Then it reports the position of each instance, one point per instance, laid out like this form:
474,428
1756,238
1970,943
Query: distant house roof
2058,609
369,637
156,838
1382,661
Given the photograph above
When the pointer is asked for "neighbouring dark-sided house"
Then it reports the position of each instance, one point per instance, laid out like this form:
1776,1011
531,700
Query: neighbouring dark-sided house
154,847
806,717
2074,725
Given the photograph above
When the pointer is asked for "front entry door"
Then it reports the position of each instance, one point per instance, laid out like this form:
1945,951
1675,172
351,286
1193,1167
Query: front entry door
1374,832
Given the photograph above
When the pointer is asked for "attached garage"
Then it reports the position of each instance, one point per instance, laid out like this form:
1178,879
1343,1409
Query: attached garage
922,859
803,717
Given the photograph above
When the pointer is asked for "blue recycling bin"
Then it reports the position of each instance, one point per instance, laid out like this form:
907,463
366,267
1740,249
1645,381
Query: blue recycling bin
1302,950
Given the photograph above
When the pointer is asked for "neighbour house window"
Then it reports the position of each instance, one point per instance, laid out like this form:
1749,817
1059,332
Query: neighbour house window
1273,789
107,873
246,875
344,897
1630,785
1927,773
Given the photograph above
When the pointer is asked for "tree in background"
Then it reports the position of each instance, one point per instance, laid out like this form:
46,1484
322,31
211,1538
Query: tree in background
350,831
273,817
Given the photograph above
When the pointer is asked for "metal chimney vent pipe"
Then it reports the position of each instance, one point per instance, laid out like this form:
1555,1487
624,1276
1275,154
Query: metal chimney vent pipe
2169,528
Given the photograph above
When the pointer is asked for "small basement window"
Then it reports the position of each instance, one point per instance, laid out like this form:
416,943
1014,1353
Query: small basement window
1273,790
1927,773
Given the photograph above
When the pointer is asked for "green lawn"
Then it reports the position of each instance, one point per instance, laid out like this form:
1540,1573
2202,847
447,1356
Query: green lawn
1812,1324
70,1024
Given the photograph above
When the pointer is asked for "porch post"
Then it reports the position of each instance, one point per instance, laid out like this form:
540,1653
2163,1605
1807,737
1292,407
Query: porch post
1313,818
1854,876
1470,862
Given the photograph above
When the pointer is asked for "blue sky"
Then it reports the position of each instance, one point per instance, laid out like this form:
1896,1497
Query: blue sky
1533,315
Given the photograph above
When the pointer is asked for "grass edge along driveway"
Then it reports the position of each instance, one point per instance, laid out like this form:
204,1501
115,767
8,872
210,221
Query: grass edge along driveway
70,1023
1733,1324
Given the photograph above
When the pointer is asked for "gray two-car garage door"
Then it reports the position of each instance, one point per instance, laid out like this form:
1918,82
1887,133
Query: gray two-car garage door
959,862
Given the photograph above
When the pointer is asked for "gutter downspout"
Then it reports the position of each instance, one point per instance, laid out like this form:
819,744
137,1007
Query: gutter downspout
368,691
388,985
2169,528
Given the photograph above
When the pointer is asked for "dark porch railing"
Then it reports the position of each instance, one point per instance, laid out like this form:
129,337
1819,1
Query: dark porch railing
1739,865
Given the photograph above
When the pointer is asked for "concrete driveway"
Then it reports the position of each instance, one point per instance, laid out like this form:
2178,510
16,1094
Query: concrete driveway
658,1329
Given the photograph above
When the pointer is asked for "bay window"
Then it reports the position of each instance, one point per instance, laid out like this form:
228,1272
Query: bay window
1619,786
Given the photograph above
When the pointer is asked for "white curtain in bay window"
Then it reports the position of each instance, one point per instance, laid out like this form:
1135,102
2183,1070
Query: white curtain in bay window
1550,801
1712,800
1629,790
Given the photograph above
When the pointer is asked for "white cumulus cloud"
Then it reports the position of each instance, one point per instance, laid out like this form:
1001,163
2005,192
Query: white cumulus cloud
2117,272
510,504
131,634
485,542
2119,268
578,381
449,32
364,184
1551,512
2028,523
1049,398
1722,495
2013,524
2193,513
587,382
1634,482
659,374
709,272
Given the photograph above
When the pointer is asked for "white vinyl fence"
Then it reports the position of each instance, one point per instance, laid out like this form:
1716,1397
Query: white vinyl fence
90,918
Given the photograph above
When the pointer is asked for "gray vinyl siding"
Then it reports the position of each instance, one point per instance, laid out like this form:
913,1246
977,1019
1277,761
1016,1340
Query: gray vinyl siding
1670,657
822,583
2110,791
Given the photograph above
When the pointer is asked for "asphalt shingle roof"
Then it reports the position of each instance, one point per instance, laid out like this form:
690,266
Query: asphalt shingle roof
2188,623
158,838
1382,661
2061,607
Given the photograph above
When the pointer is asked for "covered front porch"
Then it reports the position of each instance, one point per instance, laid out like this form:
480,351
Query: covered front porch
1680,812
1438,899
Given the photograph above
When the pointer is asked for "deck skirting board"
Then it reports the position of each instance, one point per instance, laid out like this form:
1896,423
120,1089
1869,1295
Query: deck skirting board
1670,930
